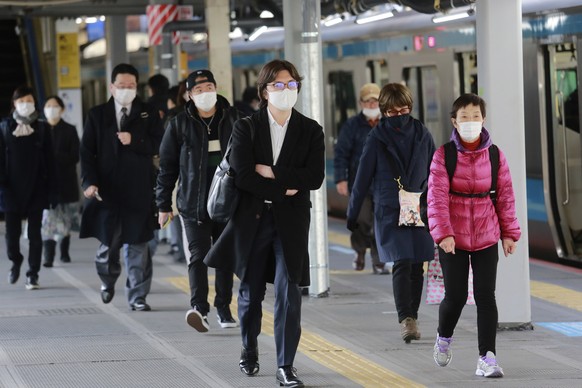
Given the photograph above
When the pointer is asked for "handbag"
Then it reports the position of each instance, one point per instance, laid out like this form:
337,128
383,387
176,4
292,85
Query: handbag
435,284
223,196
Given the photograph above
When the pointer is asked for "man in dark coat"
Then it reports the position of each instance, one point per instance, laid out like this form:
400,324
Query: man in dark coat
193,146
276,164
119,140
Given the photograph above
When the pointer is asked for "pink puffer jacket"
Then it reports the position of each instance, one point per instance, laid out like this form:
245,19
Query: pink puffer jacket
475,223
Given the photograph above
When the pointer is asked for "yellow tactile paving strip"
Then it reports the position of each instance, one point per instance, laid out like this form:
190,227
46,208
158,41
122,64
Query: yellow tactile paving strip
557,294
343,361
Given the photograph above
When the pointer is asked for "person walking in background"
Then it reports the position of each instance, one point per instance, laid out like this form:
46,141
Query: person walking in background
193,146
26,181
158,87
117,174
250,101
467,223
277,157
348,151
57,222
399,148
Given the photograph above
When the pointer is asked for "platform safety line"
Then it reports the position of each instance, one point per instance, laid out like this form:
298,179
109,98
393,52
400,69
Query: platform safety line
557,294
342,239
343,361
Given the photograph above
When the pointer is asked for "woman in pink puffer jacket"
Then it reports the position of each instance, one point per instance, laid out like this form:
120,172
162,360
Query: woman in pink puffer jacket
468,228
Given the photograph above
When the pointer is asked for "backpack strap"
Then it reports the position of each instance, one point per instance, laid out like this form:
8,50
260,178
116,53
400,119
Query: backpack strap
450,159
494,159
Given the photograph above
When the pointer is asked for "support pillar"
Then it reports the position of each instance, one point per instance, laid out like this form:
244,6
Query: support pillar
500,71
301,19
219,54
116,47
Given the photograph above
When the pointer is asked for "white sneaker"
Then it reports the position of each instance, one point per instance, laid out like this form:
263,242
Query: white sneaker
198,321
442,353
487,366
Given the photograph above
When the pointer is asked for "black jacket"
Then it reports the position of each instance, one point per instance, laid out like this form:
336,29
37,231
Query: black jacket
183,158
301,166
66,152
124,174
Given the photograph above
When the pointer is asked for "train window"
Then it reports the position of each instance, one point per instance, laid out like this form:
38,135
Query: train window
424,84
343,99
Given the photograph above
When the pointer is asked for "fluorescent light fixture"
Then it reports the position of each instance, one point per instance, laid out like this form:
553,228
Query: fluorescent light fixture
332,21
452,16
266,15
257,33
236,33
374,18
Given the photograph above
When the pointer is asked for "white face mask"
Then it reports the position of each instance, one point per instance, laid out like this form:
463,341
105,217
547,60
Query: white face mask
470,130
371,113
124,96
205,101
52,113
283,100
24,109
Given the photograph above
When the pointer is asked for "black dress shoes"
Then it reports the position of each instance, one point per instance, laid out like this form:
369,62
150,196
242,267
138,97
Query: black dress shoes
249,361
287,377
107,295
14,273
140,306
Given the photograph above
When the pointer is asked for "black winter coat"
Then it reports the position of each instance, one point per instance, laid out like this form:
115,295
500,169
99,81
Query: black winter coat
184,157
124,174
66,152
27,171
301,166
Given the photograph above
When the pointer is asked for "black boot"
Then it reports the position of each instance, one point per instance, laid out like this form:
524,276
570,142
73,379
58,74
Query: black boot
49,247
65,242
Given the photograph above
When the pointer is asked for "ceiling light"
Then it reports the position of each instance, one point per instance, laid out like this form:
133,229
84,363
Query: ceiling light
257,33
236,33
332,20
266,15
452,16
374,18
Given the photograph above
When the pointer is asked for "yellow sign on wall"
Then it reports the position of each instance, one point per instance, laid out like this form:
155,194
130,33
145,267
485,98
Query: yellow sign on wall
68,62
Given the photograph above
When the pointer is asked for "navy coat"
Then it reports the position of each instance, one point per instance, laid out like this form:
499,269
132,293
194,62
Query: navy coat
301,166
411,148
66,151
124,174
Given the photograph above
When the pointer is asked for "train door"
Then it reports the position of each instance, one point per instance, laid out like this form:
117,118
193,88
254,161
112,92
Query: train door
433,78
562,151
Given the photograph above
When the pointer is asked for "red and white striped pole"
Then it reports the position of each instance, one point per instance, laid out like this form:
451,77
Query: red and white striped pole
158,15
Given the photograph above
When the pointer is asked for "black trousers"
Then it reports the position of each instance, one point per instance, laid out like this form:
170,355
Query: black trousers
13,232
287,319
455,273
198,238
407,282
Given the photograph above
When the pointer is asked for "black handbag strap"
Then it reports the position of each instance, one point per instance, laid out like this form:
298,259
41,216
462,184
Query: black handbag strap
251,126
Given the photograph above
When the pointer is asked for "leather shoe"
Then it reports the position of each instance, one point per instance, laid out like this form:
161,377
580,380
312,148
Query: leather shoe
287,377
140,306
107,295
14,273
249,361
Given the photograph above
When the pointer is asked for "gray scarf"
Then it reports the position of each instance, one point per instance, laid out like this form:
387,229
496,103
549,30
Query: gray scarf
23,128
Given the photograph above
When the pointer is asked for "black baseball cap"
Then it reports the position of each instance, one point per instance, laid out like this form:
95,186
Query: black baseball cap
192,81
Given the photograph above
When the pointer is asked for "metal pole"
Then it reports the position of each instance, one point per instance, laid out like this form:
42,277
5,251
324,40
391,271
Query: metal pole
301,20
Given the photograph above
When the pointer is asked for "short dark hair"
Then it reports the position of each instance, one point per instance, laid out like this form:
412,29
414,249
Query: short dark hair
159,84
466,100
250,94
21,91
124,68
394,95
57,99
268,74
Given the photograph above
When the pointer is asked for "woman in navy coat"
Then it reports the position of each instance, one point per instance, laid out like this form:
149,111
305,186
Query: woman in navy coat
399,146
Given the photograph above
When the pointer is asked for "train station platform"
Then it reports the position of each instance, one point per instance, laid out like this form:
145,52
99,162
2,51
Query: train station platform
62,335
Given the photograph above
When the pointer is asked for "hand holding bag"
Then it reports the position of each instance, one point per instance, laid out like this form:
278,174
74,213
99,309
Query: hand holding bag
223,196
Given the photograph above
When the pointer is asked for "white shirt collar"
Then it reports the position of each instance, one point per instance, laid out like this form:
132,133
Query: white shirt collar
273,122
118,107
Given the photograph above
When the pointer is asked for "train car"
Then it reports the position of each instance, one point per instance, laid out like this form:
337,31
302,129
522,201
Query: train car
439,63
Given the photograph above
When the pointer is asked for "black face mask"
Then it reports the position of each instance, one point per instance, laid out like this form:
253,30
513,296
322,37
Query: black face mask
398,121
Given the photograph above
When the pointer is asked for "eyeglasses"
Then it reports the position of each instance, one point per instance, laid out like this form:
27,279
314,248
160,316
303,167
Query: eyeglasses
403,111
291,85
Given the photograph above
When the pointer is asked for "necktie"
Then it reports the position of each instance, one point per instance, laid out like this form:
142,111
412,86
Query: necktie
123,120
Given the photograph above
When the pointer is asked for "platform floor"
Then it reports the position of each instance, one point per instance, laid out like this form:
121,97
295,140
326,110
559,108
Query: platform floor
64,336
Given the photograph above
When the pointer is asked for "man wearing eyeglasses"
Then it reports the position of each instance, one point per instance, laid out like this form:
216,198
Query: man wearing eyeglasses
348,150
275,170
193,145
